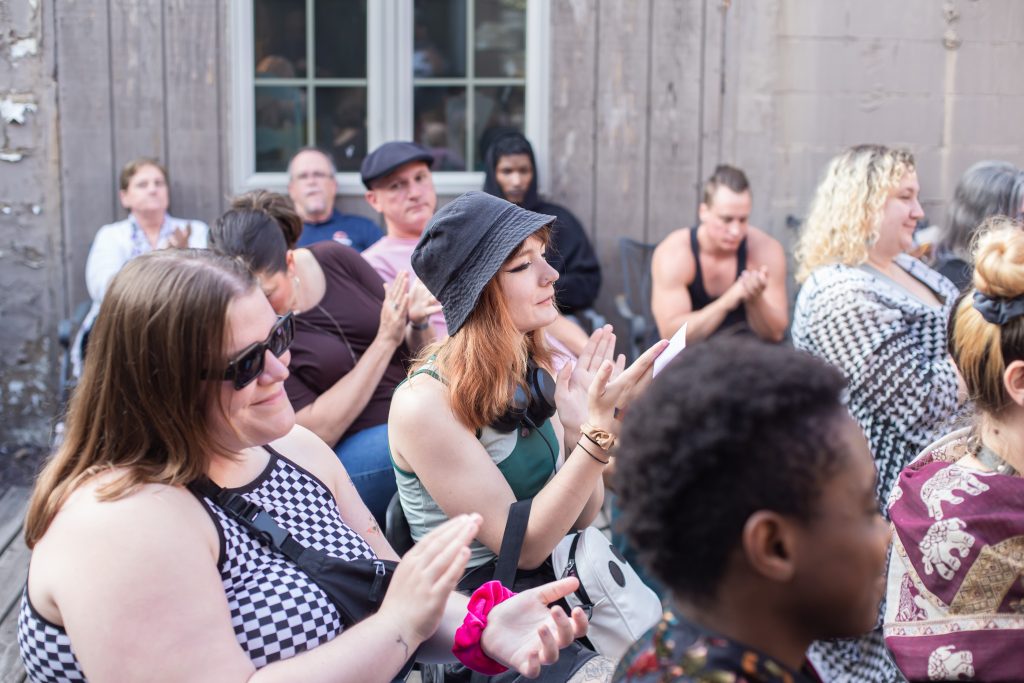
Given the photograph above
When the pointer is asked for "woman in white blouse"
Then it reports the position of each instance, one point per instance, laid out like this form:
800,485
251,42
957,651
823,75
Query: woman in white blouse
144,193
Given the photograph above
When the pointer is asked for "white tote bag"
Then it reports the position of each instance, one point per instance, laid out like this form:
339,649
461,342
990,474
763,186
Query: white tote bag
622,608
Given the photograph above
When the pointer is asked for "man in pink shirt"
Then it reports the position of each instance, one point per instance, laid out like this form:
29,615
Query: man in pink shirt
400,187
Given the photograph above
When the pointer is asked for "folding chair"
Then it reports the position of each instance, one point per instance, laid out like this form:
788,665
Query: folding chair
634,304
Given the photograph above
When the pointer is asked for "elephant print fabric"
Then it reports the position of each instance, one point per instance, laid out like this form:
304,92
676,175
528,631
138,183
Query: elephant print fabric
955,600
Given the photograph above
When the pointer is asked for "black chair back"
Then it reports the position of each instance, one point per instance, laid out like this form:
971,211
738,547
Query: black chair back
634,304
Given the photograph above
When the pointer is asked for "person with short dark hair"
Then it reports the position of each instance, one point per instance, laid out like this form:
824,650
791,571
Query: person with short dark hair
757,508
353,333
722,274
313,188
986,189
511,170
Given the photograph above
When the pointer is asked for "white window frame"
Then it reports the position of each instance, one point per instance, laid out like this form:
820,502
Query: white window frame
389,94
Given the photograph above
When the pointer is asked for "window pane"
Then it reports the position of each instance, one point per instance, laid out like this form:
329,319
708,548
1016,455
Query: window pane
439,39
502,106
279,38
280,126
341,125
340,38
500,39
440,119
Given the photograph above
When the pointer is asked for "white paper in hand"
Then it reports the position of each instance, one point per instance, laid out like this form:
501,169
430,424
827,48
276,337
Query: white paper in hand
676,344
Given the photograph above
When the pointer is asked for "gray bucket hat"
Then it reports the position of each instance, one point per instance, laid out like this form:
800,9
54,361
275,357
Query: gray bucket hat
465,244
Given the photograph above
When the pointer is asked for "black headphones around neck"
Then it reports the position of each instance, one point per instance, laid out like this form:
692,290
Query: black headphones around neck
532,405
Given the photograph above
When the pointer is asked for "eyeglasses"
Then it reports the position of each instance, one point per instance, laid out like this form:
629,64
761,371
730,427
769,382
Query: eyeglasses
248,365
316,175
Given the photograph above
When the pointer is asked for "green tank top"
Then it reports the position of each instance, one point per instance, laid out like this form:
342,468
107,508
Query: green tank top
524,457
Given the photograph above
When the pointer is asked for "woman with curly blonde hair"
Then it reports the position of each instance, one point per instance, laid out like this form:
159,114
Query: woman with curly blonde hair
879,315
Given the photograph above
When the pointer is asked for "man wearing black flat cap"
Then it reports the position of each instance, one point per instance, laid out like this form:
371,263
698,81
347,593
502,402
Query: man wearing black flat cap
399,186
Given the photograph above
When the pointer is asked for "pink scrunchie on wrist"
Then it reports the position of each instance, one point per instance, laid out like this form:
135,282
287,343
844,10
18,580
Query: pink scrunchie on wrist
467,647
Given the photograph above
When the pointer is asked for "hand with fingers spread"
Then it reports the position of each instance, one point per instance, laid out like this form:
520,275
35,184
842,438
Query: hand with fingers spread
394,313
524,633
612,391
574,382
422,304
425,579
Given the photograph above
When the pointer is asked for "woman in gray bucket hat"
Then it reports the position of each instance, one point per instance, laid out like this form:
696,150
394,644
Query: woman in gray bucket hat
475,427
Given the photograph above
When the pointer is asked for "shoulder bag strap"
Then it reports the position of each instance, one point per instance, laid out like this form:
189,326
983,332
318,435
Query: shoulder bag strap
512,542
254,518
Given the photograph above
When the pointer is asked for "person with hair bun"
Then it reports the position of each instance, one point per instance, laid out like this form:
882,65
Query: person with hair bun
954,590
879,315
756,508
354,334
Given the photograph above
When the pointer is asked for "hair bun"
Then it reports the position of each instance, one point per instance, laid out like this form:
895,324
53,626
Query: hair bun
999,258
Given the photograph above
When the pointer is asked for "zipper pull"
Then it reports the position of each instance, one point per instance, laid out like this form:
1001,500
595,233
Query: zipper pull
377,588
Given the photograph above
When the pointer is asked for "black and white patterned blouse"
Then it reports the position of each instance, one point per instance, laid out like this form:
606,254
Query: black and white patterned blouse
902,388
277,611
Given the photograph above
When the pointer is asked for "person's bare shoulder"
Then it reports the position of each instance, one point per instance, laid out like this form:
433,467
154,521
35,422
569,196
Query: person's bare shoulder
673,257
762,247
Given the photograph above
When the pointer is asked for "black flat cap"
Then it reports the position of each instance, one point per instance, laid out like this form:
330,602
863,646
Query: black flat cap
390,156
465,244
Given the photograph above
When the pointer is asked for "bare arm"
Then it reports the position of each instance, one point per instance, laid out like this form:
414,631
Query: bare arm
461,477
768,312
672,271
333,411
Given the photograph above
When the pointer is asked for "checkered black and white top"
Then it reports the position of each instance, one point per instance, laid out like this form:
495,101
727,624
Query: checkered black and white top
891,347
277,611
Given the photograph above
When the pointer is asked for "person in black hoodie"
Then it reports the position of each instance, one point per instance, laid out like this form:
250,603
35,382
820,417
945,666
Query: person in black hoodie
512,175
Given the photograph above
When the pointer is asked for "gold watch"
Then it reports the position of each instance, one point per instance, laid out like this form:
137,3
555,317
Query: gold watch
602,438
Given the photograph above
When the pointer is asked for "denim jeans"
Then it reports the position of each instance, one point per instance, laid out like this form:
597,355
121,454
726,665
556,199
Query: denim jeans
366,456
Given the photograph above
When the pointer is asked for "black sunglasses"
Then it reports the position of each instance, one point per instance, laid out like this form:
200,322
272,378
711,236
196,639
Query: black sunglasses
248,365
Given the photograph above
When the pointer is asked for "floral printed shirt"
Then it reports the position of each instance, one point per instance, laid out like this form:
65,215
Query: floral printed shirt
679,651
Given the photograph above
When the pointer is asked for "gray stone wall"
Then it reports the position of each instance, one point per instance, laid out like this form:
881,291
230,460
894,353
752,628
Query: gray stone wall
31,245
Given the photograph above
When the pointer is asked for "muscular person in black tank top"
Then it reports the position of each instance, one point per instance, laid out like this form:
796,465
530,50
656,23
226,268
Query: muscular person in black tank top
722,274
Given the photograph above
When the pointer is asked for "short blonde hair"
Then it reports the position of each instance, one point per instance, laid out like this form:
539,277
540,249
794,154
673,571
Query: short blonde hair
981,349
844,217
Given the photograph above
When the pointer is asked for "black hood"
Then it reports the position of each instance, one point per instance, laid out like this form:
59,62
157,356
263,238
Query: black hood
532,198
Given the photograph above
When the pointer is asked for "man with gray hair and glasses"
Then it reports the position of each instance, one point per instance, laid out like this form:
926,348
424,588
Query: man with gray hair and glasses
312,187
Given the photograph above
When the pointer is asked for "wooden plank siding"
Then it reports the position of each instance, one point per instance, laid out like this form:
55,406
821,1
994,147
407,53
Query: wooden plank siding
14,558
145,78
85,132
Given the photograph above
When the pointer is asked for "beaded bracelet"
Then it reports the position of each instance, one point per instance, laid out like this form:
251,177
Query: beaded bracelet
467,647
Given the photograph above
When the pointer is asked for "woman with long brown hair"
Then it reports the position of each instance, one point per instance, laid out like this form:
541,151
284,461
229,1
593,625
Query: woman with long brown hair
476,425
139,572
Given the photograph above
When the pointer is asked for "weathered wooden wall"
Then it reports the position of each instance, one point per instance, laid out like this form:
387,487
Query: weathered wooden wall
648,96
138,78
30,238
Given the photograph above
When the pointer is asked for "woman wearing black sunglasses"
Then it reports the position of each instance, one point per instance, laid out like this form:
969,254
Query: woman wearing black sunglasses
136,575
353,335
